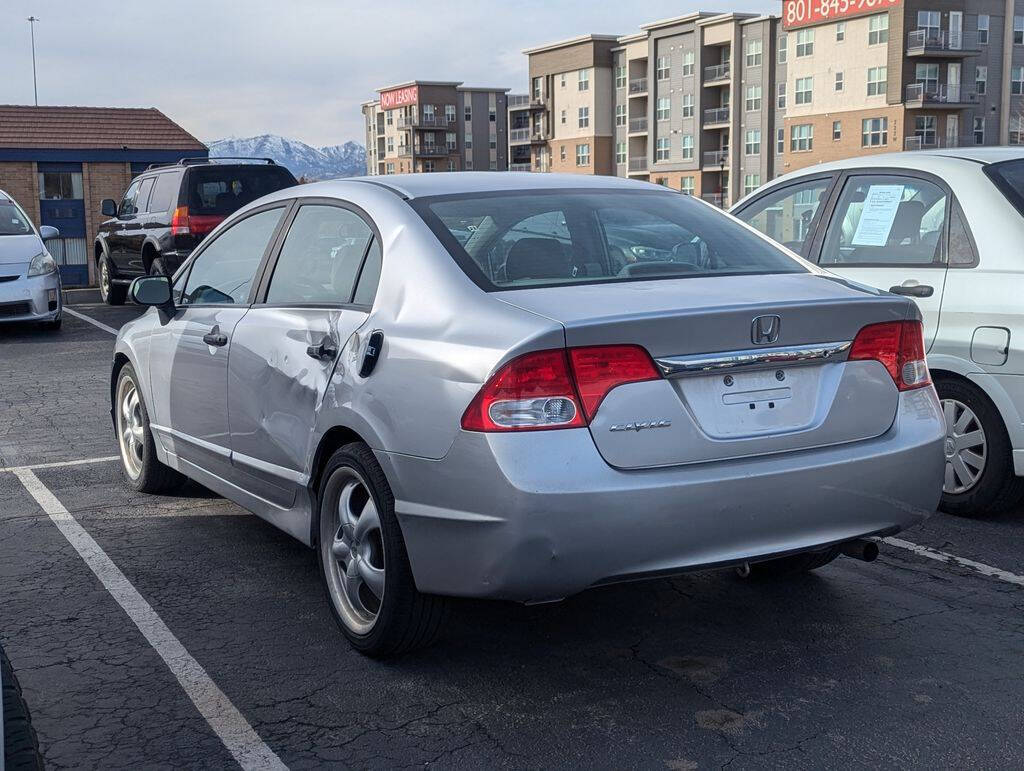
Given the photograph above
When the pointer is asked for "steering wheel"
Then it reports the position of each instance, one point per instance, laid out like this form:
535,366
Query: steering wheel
658,267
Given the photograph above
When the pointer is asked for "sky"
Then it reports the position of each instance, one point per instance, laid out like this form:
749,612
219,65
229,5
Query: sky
299,68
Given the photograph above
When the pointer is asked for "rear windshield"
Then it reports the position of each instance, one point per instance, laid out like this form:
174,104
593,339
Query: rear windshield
225,189
1008,176
12,221
539,238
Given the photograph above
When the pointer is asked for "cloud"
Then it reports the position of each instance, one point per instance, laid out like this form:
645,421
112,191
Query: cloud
300,69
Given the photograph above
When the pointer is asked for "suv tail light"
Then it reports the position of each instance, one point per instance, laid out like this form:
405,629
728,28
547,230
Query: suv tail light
559,388
899,346
198,225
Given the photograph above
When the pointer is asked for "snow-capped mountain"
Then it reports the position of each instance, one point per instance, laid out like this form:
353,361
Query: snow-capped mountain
345,160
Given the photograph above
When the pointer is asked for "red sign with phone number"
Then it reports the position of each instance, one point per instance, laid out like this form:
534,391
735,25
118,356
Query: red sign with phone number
804,13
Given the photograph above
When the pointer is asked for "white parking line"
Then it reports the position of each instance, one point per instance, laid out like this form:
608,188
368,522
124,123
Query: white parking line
223,717
91,320
62,463
941,556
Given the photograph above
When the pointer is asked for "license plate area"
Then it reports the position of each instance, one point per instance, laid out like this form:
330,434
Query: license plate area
749,404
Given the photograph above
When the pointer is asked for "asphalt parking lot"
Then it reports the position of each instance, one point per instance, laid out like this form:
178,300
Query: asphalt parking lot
916,660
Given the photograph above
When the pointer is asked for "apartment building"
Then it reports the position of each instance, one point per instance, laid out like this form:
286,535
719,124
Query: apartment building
425,126
906,74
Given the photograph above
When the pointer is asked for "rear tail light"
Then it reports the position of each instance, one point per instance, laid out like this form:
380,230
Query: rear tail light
556,388
899,346
183,223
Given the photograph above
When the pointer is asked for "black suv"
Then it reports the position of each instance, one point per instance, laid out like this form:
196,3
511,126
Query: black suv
166,212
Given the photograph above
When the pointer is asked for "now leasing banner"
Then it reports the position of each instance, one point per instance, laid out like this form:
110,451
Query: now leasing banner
805,13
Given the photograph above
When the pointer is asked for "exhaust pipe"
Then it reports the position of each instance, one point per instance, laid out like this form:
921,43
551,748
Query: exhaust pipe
861,549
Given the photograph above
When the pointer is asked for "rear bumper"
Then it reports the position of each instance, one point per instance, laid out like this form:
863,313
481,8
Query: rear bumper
536,517
31,299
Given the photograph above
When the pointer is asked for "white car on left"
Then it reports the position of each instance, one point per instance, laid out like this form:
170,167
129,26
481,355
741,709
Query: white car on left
29,279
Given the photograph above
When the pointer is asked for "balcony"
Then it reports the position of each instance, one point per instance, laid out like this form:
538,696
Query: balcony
520,167
638,125
404,151
941,43
638,87
717,158
716,73
518,101
425,121
637,165
716,116
932,141
952,96
433,151
519,136
713,198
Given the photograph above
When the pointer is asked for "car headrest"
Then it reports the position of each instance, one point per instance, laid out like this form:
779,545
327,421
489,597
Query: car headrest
907,223
537,258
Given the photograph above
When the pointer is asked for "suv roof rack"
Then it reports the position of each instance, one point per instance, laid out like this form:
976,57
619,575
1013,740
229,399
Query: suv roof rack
195,161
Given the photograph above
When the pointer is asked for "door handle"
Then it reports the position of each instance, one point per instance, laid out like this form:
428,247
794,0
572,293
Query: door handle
324,350
373,347
215,337
917,290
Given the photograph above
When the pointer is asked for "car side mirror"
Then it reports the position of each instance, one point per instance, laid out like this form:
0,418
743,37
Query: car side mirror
152,290
48,232
108,208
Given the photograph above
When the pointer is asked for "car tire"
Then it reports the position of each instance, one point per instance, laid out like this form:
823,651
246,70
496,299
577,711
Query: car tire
792,565
21,746
156,267
996,488
140,466
110,293
357,561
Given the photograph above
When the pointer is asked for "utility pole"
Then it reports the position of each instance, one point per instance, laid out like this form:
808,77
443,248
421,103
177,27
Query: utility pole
32,26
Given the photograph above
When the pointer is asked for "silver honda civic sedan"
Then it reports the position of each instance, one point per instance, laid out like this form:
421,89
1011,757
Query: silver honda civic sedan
520,386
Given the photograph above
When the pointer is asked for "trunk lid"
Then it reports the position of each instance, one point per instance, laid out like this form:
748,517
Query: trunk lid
719,399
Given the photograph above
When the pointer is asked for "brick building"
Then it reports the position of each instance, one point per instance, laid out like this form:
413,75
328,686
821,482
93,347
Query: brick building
59,163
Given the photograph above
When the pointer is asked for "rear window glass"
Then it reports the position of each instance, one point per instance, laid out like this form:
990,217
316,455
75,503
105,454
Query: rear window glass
225,189
524,239
1008,176
12,221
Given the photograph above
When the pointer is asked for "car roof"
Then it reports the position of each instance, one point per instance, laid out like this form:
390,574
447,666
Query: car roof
461,182
925,160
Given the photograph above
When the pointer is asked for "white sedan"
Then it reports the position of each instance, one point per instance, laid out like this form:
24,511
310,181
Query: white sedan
945,227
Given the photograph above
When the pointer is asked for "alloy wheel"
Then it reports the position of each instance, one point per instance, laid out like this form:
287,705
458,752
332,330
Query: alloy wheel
104,280
965,447
130,427
353,550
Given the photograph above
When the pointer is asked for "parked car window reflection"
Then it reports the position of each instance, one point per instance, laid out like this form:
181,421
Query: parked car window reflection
12,222
785,216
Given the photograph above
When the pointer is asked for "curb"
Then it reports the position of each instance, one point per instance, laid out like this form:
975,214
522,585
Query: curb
81,296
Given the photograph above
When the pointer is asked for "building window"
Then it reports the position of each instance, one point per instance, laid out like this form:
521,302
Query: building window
620,76
428,113
620,115
837,130
583,82
979,131
840,31
983,29
450,140
687,62
782,49
492,116
583,155
925,130
928,77
686,185
780,99
980,79
562,153
839,81
536,89
428,166
780,141
753,98
583,117
876,80
451,165
469,163
687,105
61,186
929,23
1017,81
1017,130
1018,30
468,114
801,138
389,168
663,109
754,48
449,113
874,132
804,88
493,143
878,29
804,42
390,145
563,117
752,145
661,72
562,83
469,141
687,147
751,182
620,152
662,150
